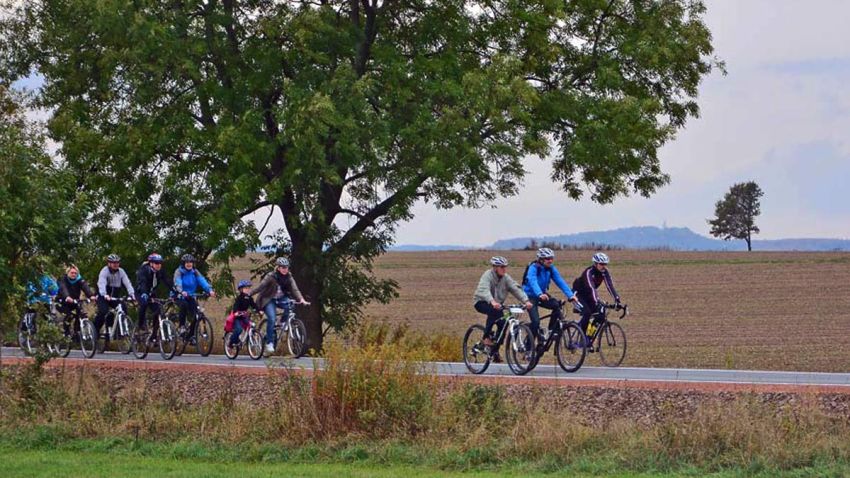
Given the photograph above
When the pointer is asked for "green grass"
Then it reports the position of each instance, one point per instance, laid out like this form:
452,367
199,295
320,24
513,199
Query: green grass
42,453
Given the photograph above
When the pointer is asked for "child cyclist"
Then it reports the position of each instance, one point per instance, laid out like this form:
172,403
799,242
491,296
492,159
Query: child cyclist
239,316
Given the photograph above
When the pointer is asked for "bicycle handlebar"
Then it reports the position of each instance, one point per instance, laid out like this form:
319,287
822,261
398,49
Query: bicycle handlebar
616,307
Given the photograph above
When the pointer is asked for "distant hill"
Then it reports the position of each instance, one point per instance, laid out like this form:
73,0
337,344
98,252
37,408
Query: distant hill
674,238
415,247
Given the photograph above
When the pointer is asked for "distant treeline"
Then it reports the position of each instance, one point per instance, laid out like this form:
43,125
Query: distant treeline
533,245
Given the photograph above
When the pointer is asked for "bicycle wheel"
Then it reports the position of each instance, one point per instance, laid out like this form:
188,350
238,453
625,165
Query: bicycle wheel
612,344
124,335
26,336
571,348
88,338
296,339
261,327
255,345
230,353
139,343
167,339
180,340
63,348
520,349
475,353
204,336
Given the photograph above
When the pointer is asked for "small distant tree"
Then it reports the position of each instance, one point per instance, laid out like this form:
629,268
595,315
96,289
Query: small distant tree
736,213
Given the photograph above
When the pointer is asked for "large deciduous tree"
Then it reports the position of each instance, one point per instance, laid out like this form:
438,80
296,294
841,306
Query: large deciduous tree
735,214
187,117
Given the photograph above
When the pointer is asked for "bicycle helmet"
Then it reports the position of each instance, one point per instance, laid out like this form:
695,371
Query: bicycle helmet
243,283
113,258
187,258
498,261
155,258
281,262
600,258
545,253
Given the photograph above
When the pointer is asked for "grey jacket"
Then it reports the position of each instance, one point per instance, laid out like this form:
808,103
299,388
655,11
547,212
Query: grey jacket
492,287
266,290
109,282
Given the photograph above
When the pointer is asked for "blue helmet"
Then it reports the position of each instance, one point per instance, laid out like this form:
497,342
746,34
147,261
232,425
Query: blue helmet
243,283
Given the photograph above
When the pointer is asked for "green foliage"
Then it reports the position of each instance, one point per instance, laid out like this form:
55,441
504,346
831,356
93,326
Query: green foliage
735,214
185,118
39,217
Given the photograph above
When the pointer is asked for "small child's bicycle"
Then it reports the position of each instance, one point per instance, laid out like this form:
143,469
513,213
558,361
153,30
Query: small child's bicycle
249,337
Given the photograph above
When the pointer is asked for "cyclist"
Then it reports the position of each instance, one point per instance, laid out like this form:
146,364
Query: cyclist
110,280
186,282
586,284
275,290
71,286
148,277
536,281
40,293
492,290
243,302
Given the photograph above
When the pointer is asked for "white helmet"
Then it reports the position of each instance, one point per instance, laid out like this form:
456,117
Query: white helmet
600,258
545,253
498,261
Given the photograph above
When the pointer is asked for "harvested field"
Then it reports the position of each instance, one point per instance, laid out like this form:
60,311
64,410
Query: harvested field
759,310
727,310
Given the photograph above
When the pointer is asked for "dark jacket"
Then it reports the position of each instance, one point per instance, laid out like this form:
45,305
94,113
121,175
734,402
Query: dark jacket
73,289
586,284
267,289
244,302
147,279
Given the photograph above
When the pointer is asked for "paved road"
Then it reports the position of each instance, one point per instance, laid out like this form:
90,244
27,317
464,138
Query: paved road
542,372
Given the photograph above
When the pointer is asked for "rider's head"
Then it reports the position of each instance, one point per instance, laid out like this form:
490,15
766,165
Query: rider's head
244,286
600,260
155,260
545,256
282,265
500,265
188,261
113,261
72,272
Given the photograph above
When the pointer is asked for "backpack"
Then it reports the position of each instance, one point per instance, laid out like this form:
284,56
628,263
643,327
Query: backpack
525,273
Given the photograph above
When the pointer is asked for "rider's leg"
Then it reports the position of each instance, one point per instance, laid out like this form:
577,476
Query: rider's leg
555,318
586,312
143,310
102,310
534,315
271,315
492,316
237,331
191,309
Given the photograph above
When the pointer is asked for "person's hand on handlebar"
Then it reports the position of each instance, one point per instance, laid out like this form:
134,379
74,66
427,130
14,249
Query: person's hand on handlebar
544,297
496,305
69,300
528,305
303,302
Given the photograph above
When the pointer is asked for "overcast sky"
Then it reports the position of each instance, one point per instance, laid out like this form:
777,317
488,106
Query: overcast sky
779,118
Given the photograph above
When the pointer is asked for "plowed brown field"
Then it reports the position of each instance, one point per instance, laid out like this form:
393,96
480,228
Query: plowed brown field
759,310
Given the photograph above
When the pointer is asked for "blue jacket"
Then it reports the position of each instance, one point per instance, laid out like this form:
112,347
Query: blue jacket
189,280
46,289
537,280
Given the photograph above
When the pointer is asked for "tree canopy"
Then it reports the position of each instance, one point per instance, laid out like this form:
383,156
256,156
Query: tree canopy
185,117
735,214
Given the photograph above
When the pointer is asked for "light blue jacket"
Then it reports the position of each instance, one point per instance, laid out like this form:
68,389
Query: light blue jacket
46,289
188,281
538,278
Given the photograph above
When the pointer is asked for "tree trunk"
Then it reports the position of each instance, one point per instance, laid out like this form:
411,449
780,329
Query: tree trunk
749,242
310,283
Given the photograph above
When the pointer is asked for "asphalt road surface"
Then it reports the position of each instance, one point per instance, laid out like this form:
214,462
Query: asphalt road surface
545,372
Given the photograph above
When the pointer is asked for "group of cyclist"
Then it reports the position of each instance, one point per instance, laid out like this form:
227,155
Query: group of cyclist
495,285
276,290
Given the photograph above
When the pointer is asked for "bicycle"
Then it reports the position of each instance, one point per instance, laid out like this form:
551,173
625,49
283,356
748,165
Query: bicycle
569,340
606,337
121,330
164,335
293,327
520,349
199,332
250,336
80,329
27,329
